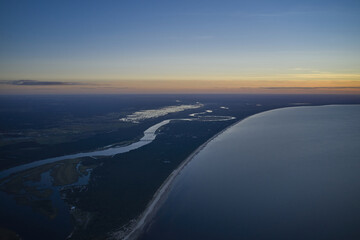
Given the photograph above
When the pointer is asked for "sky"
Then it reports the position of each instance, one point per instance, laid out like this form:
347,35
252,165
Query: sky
188,46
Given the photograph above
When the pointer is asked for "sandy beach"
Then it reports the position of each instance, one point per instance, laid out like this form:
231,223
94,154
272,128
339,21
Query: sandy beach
135,230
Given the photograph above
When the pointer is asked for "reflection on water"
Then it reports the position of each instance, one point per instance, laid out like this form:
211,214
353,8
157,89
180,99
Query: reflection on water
32,192
149,136
285,174
30,205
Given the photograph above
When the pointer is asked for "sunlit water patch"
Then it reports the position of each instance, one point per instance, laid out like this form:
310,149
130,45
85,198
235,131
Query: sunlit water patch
138,116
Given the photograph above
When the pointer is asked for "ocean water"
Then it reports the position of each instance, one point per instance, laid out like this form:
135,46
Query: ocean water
291,173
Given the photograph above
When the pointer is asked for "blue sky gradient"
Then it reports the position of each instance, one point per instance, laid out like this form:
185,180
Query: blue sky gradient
177,40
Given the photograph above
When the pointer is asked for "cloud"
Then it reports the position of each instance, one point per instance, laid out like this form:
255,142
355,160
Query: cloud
305,88
36,83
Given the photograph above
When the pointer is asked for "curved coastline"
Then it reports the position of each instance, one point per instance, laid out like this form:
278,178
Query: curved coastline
150,135
160,195
292,179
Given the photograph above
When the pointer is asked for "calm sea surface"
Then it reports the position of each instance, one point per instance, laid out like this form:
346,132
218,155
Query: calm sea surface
291,173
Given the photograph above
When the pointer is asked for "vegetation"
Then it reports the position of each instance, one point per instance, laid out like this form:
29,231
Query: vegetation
121,186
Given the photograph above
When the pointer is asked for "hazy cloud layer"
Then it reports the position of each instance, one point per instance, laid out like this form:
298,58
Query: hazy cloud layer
36,83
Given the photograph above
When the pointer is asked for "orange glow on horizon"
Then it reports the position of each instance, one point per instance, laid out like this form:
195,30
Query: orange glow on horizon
282,86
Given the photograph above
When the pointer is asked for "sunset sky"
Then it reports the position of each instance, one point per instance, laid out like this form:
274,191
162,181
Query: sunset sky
188,46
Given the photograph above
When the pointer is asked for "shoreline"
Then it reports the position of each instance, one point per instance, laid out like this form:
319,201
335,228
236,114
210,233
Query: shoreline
149,214
136,226
161,195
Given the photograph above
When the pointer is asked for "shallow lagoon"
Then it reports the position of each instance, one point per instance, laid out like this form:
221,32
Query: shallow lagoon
291,173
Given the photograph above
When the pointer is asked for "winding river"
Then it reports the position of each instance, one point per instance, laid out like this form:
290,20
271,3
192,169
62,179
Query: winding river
30,223
149,136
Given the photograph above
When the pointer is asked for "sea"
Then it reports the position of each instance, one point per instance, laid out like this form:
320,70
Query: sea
290,173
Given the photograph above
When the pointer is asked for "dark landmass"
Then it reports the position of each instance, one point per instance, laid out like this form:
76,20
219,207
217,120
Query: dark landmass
37,127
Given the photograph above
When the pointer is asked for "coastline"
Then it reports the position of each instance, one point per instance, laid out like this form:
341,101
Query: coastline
136,226
183,224
160,195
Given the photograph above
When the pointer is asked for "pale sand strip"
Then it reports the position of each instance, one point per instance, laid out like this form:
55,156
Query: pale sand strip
159,197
